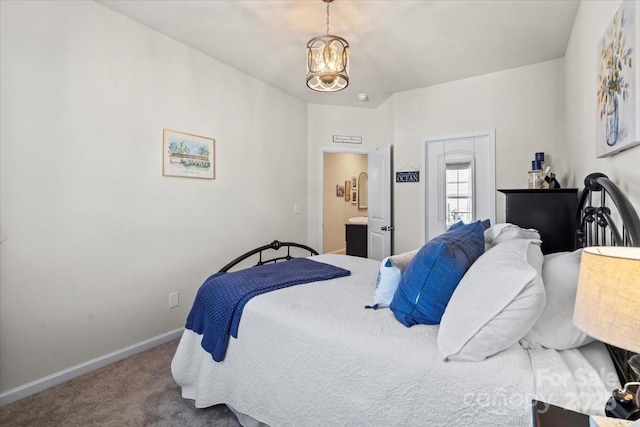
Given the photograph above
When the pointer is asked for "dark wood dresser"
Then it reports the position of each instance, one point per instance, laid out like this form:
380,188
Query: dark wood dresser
551,212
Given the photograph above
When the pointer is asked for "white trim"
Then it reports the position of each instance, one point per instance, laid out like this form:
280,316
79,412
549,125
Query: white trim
44,383
491,134
321,186
423,190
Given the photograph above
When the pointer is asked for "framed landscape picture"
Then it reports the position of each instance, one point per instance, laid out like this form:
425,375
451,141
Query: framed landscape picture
187,155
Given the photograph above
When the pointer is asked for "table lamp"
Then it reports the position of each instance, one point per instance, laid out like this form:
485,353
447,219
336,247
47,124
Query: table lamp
608,307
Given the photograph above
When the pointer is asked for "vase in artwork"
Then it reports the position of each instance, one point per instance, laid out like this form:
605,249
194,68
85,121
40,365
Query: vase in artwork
612,119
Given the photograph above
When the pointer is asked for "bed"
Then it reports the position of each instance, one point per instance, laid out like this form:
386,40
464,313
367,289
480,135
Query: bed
312,355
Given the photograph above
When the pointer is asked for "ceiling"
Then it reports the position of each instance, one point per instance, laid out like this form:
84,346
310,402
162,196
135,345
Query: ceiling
396,45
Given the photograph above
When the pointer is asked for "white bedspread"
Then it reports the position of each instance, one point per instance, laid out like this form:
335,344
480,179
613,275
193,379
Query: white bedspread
311,355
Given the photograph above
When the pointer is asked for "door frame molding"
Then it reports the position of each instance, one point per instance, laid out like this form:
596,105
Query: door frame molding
323,150
491,134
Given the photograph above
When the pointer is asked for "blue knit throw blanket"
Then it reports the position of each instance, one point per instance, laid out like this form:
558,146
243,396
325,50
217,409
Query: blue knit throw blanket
219,303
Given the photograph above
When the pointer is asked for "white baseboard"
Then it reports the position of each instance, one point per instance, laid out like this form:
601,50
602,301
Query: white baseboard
75,371
342,251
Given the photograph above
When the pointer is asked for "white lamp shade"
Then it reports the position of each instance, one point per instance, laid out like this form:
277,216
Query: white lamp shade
608,298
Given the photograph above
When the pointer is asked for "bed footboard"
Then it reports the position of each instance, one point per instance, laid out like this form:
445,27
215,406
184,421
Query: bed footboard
275,246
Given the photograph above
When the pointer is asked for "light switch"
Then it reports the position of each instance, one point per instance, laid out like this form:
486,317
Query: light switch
174,299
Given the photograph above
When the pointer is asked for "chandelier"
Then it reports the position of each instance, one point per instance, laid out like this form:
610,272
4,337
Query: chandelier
327,61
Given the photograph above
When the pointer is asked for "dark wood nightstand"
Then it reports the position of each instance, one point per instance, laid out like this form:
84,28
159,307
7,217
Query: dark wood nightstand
551,212
547,415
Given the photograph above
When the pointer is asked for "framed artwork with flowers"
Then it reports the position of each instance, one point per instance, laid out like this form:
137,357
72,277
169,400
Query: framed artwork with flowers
616,96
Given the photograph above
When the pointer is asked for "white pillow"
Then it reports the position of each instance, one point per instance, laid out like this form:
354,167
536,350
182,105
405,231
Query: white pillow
389,277
402,260
555,328
501,233
388,280
496,303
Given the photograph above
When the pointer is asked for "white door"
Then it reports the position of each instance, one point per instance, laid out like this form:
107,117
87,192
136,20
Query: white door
379,211
459,182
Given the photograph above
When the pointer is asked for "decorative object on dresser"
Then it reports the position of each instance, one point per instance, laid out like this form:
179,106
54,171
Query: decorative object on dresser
551,212
536,176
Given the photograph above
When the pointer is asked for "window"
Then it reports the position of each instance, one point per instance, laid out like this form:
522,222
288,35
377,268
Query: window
458,193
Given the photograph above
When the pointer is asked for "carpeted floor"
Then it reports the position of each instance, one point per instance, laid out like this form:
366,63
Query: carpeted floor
138,391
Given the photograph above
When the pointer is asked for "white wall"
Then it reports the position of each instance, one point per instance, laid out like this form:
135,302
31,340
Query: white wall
581,74
94,238
524,105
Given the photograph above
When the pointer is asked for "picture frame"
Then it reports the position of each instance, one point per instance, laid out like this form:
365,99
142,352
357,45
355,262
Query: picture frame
187,155
354,182
347,190
616,128
354,196
340,190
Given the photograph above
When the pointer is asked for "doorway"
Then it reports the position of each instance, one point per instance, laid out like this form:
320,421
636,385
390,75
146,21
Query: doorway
459,182
344,175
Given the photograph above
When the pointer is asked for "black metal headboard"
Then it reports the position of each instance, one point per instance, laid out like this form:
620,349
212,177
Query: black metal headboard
596,223
275,245
599,225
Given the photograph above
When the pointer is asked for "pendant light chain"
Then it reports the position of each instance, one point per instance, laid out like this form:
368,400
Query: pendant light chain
327,18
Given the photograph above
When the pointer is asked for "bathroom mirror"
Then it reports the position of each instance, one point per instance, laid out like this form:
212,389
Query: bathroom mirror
363,188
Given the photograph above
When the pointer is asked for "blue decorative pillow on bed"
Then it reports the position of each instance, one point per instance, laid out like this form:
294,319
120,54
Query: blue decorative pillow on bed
486,224
456,225
433,274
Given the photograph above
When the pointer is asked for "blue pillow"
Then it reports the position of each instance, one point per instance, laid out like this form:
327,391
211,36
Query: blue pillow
433,274
485,224
456,225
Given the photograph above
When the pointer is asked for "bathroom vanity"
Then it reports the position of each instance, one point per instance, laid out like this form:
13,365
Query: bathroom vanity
356,236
